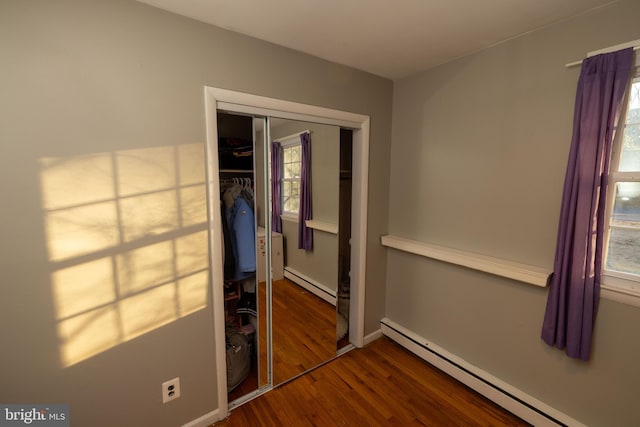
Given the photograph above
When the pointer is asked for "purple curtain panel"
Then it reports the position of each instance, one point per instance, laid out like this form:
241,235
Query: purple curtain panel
305,234
574,289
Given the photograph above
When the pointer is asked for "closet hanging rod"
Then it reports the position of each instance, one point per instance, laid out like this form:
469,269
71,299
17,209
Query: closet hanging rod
576,63
222,180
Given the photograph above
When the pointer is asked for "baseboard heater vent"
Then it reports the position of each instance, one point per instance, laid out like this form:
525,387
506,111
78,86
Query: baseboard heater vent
512,399
310,285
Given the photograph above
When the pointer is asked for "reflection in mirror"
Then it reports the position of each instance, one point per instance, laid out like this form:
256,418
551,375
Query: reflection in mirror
300,289
305,281
262,216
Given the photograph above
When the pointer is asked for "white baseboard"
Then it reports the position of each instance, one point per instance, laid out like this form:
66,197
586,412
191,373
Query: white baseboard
206,420
512,399
306,282
373,336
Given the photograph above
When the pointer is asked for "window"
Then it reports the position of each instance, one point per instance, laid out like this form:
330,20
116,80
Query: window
291,178
622,255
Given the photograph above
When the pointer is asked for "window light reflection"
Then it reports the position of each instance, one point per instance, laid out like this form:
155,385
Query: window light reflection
127,243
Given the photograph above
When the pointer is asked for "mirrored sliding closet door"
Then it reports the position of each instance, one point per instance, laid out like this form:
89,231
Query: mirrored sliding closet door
305,175
285,213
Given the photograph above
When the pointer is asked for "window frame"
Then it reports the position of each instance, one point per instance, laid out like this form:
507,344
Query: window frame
289,143
615,285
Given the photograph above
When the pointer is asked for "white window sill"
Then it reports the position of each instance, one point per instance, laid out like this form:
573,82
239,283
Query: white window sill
291,217
621,290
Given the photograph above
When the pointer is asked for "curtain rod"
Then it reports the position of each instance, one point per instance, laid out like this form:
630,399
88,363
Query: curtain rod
292,136
575,63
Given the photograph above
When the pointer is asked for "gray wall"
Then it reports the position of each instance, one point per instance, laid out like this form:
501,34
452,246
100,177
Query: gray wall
320,264
479,149
98,76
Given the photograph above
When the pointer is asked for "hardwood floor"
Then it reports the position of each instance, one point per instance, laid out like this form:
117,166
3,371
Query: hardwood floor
304,335
379,385
304,330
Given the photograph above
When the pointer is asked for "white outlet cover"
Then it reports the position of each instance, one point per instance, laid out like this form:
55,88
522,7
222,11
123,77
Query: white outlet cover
170,390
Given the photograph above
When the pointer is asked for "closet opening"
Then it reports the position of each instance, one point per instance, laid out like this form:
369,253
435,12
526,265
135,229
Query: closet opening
281,309
344,237
244,315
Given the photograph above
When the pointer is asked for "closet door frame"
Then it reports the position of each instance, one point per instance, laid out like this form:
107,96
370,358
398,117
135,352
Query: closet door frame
237,102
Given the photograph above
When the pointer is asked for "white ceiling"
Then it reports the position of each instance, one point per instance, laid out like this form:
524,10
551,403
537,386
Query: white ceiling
389,38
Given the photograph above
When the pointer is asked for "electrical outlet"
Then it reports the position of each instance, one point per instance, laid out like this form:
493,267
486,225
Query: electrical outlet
170,390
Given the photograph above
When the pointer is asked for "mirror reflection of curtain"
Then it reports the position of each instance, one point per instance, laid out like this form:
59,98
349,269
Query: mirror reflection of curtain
305,234
276,186
304,300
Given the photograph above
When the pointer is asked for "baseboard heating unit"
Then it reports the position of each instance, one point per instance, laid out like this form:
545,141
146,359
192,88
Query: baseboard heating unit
311,285
512,399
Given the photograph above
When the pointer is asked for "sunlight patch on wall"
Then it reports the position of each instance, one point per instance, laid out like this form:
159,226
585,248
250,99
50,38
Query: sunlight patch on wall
146,170
145,267
190,258
127,241
83,286
88,334
192,293
85,229
148,214
61,188
81,210
147,311
193,212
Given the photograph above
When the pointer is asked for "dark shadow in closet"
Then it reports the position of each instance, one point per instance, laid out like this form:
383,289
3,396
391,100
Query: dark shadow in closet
236,158
344,238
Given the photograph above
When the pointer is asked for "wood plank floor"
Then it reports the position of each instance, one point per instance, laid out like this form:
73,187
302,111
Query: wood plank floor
304,330
304,335
379,385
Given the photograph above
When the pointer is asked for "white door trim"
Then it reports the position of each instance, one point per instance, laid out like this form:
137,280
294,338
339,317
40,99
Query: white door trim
231,101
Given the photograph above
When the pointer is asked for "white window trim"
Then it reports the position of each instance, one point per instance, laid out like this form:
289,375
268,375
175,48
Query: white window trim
289,142
617,286
620,290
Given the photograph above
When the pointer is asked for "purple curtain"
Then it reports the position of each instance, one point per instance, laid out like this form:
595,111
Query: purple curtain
276,187
305,234
574,288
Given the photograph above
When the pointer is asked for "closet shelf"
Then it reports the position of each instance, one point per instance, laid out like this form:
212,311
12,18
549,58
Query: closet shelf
247,171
